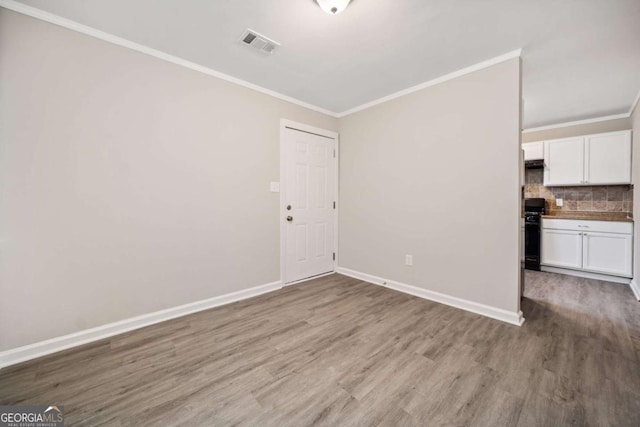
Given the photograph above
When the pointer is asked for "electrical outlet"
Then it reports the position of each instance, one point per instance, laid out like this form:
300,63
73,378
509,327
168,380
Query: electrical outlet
559,203
408,260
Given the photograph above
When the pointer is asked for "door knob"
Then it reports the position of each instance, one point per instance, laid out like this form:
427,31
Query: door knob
289,218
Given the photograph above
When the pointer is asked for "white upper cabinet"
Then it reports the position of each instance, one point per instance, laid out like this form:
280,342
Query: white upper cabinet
608,158
601,159
564,161
533,150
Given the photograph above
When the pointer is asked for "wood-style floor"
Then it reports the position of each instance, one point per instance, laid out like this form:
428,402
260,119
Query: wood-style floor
337,351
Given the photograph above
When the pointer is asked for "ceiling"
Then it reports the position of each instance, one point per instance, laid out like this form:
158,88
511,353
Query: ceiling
581,58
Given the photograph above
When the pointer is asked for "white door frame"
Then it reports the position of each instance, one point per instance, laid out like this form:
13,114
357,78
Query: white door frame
284,124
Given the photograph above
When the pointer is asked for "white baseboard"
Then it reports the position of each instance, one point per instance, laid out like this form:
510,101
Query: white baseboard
635,289
42,348
585,274
474,307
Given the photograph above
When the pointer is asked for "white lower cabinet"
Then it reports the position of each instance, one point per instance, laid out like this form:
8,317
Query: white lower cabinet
604,247
607,253
562,248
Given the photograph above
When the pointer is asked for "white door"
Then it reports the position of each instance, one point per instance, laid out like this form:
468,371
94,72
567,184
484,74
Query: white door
608,158
308,204
561,248
564,161
607,253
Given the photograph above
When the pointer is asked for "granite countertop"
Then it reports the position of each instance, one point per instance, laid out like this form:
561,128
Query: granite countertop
590,216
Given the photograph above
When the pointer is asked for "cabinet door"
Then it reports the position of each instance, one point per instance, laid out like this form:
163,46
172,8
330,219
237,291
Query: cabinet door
607,253
564,161
561,248
608,158
533,150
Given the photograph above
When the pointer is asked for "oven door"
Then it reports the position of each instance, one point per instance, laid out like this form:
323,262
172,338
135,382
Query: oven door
532,245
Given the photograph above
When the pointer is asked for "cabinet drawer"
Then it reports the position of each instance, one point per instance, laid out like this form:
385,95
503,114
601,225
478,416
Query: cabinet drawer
581,225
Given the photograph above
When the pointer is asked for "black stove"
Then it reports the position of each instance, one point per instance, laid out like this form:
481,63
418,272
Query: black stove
533,211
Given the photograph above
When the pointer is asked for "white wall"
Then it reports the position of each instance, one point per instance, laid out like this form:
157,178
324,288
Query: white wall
435,174
128,184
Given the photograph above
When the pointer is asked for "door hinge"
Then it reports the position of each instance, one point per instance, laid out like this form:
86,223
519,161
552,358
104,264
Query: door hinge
334,256
334,205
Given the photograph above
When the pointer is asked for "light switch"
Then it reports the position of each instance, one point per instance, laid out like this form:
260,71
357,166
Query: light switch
559,203
274,187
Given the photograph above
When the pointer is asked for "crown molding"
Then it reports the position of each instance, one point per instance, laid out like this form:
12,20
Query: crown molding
634,104
587,121
110,38
459,73
578,122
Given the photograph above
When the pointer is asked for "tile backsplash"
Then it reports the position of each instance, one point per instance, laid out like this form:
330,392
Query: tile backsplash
600,198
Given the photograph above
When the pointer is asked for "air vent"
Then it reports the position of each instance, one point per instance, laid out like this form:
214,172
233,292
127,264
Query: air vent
259,42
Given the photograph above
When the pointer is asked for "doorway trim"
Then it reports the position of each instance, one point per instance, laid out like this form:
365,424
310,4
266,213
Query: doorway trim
290,124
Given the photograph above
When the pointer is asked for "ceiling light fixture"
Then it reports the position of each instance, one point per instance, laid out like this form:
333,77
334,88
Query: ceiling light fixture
333,7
